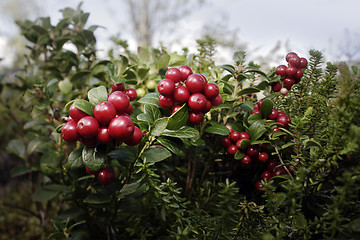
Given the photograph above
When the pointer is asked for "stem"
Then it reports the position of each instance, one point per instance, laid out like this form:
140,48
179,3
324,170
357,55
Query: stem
281,161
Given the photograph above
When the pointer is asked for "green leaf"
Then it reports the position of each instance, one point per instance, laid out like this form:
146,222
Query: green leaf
150,98
159,126
257,129
219,129
239,154
256,70
244,144
75,159
97,95
44,194
266,108
65,86
152,112
129,188
124,154
299,221
79,75
156,154
98,198
254,117
185,132
19,171
171,146
84,106
179,118
229,68
354,225
163,61
93,158
17,147
248,90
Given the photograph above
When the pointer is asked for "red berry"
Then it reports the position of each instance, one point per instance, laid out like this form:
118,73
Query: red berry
203,77
103,136
175,109
281,70
120,101
69,132
266,175
263,157
173,74
196,117
207,107
118,87
89,142
129,110
294,61
197,102
166,87
232,149
135,138
276,86
121,128
186,71
289,82
166,102
259,187
230,128
271,164
274,114
88,127
244,135
299,75
277,129
284,91
303,63
225,142
252,151
256,111
106,176
291,71
131,93
246,161
284,120
217,100
256,106
290,55
211,90
234,136
104,112
181,94
278,171
76,114
195,83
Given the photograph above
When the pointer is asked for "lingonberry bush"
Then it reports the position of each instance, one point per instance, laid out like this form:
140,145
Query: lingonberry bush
159,145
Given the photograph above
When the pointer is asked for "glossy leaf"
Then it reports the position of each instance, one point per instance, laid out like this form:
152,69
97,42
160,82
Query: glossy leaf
159,126
84,106
97,95
218,129
93,158
150,98
75,159
156,154
184,133
179,118
266,108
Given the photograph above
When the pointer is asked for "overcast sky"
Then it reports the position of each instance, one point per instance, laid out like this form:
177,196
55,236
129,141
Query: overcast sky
325,25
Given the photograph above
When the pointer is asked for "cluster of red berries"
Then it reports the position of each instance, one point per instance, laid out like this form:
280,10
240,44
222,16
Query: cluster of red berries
110,122
273,168
275,115
182,86
290,74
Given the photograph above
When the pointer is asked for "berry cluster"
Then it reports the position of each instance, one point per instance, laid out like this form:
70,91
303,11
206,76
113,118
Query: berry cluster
182,86
277,116
273,168
110,122
290,74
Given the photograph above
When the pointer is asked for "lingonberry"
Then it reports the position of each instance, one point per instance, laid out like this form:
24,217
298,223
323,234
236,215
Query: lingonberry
284,91
274,114
131,93
234,136
104,112
166,101
174,74
75,113
299,75
284,120
196,117
217,100
88,127
290,55
181,94
197,102
211,90
276,86
271,164
69,132
291,71
120,101
135,138
259,187
89,142
103,136
281,70
91,172
118,87
106,176
175,109
195,83
246,161
225,142
266,175
130,109
278,171
252,151
186,71
244,135
289,82
166,87
121,127
294,61
303,63
230,128
207,107
232,149
263,157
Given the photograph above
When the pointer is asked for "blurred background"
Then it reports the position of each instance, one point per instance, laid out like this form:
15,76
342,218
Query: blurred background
265,29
